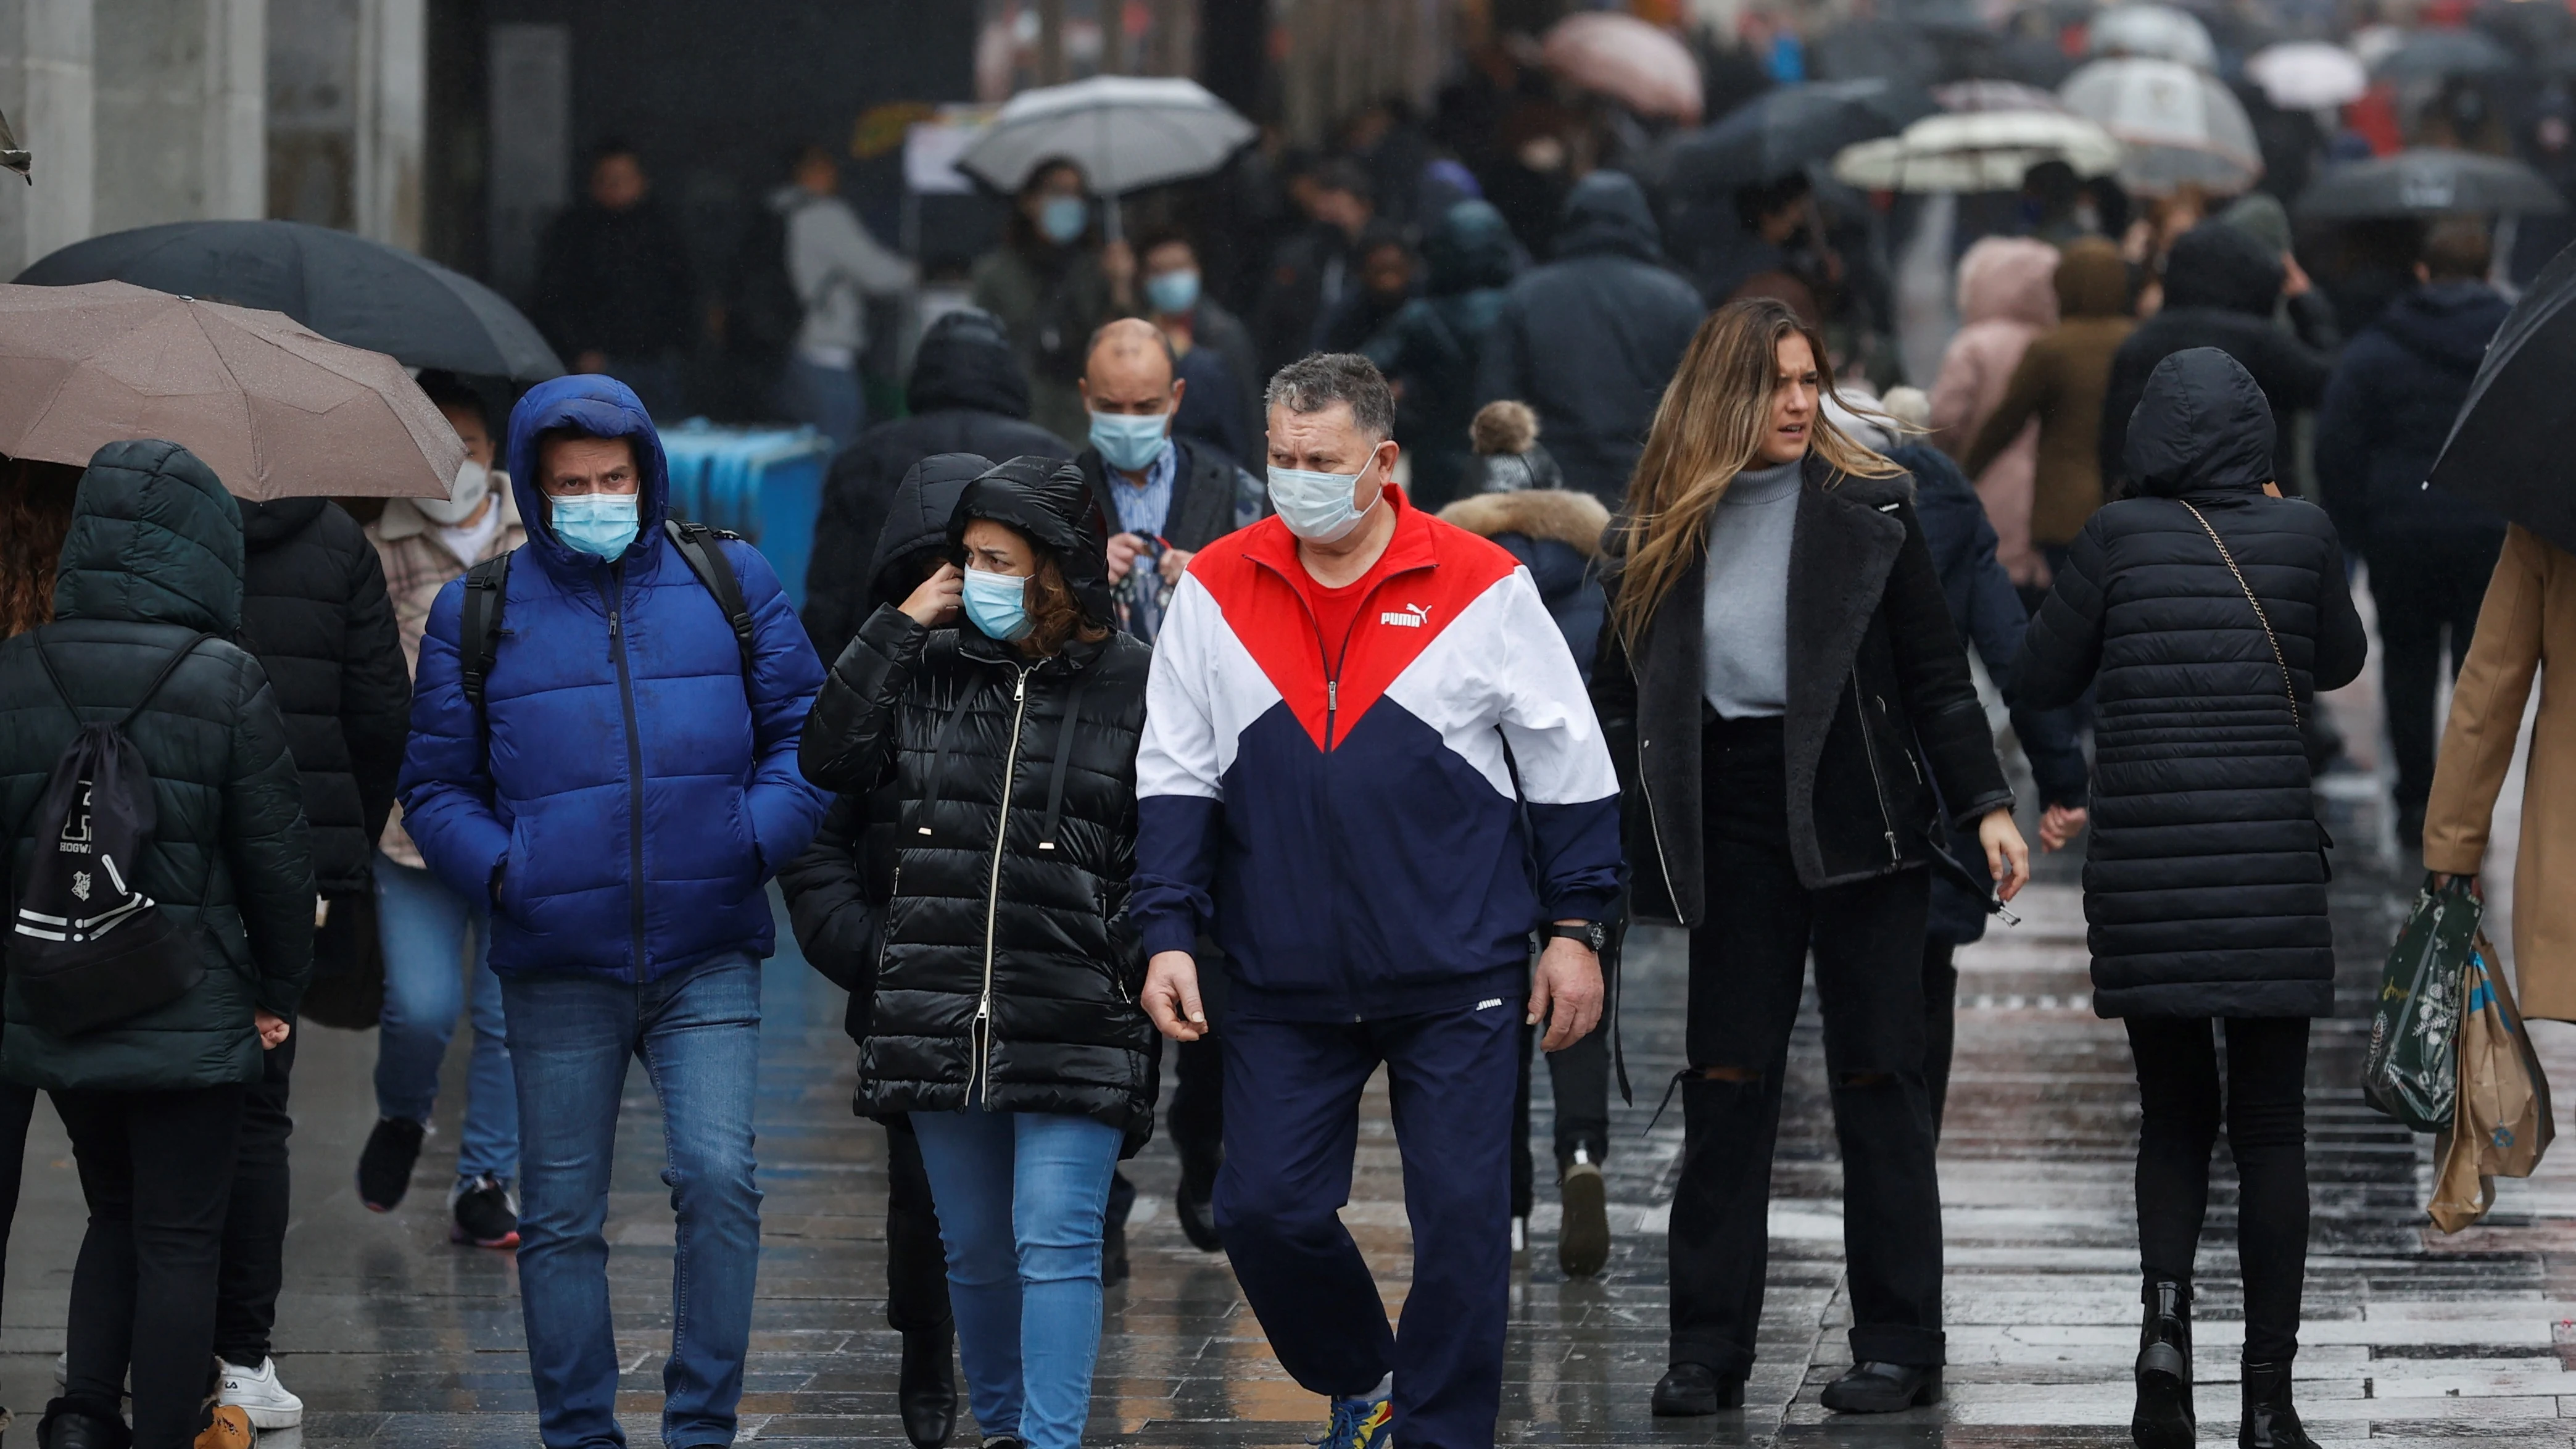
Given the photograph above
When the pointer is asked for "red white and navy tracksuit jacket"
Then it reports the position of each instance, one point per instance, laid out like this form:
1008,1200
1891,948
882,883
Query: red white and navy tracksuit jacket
1370,827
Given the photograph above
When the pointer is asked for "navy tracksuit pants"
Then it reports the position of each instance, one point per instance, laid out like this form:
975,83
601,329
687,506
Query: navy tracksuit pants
1292,1095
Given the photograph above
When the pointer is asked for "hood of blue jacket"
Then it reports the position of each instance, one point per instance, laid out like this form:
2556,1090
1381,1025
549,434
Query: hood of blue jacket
601,407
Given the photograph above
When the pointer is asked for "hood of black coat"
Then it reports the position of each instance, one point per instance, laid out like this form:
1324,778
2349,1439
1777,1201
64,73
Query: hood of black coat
2448,324
965,361
154,539
2202,427
268,524
1606,213
2217,265
917,520
1050,501
1469,249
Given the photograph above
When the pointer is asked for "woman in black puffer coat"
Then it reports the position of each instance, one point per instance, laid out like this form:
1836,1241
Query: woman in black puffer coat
2206,880
1005,1020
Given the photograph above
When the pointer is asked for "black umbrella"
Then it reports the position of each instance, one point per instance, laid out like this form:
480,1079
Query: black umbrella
347,288
1889,50
2506,451
1786,130
2430,181
2434,54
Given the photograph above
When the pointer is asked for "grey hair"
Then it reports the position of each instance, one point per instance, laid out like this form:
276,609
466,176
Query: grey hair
1320,379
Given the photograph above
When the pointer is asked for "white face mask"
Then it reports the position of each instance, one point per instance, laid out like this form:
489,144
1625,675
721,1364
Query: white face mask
1318,507
473,485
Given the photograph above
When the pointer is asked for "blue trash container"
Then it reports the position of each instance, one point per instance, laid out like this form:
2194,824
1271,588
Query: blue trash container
764,483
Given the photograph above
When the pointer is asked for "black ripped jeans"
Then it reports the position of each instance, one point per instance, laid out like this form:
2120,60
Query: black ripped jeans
1747,964
2266,1118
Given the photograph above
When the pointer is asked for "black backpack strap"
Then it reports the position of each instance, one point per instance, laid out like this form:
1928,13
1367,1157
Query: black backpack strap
478,636
697,543
169,667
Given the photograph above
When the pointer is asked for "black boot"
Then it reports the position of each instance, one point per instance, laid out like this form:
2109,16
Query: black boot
926,1392
2163,1418
1688,1390
2270,1422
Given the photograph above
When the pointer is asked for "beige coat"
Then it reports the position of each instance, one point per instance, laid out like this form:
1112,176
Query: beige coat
2528,625
417,566
2007,297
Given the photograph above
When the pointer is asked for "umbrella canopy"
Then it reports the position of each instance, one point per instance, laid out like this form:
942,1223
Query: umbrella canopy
2430,181
2153,32
2506,450
1996,95
11,157
276,410
1978,151
2434,54
1895,51
2180,125
1788,129
1641,66
349,289
1125,132
2308,75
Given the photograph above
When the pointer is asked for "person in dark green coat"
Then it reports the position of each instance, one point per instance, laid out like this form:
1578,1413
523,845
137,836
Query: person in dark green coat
153,1103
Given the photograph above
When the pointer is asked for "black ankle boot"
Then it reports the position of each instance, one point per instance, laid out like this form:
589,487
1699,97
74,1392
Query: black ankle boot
2270,1422
926,1391
2163,1418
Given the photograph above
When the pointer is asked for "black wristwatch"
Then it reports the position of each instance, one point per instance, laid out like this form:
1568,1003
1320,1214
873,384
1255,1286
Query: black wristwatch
1592,934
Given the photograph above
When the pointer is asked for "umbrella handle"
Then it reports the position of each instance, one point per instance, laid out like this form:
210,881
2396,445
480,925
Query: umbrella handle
1110,229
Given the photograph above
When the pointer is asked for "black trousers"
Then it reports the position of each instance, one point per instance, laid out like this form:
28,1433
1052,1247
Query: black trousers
2266,1117
2435,582
1580,1078
1940,1024
1747,963
916,1262
255,1224
157,1169
1195,1118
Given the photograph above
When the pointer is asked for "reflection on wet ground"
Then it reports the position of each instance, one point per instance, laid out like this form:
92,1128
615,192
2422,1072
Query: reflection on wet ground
394,1337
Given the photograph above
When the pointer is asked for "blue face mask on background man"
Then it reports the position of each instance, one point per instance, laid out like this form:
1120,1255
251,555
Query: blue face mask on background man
596,523
1064,219
1131,442
998,604
1172,293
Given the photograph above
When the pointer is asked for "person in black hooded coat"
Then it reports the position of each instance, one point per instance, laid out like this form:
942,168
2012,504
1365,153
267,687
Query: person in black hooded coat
967,395
2205,885
1004,745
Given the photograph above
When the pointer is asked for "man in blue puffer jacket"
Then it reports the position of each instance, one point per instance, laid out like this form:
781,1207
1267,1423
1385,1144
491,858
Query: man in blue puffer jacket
623,793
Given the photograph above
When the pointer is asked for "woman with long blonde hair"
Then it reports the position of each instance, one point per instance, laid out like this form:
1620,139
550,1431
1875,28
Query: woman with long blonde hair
1782,690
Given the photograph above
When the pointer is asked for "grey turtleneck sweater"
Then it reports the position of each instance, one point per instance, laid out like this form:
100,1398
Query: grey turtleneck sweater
1744,608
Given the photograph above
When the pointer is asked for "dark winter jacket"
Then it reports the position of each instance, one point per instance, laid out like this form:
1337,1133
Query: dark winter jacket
315,613
1211,496
1590,339
2221,289
1990,618
1007,970
1221,352
1879,692
1556,534
616,282
1432,347
967,395
154,557
626,786
2205,881
2396,390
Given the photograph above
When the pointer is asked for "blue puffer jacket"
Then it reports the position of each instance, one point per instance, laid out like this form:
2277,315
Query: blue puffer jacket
625,749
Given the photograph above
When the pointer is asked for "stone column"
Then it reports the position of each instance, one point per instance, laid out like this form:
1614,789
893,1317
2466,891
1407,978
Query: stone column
47,91
181,111
346,99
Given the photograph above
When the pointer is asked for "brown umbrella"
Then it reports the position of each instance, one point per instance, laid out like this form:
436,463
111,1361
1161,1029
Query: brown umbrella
276,410
1640,65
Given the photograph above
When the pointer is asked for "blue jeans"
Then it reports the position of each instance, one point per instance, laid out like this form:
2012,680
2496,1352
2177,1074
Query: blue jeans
1020,1198
698,1034
422,926
827,397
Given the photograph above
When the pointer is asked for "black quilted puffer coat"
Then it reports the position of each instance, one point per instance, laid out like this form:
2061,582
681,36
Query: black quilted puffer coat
2205,882
1007,973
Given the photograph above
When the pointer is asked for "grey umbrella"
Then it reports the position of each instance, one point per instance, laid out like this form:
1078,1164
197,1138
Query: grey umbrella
1124,132
11,157
2434,54
1788,129
2430,181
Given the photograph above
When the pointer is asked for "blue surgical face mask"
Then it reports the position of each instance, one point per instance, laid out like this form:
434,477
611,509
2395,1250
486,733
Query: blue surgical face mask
1064,219
998,604
1130,442
1172,293
596,523
1318,506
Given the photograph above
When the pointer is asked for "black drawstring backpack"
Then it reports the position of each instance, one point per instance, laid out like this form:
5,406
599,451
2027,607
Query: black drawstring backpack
87,948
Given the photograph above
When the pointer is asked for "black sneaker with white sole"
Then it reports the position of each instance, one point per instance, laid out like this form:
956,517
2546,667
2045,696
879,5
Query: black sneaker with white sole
484,1214
384,1168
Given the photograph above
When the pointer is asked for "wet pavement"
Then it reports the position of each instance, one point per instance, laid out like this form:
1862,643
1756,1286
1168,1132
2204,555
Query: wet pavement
394,1337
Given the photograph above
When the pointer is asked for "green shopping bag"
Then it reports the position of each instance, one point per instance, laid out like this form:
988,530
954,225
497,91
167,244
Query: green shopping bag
2412,1070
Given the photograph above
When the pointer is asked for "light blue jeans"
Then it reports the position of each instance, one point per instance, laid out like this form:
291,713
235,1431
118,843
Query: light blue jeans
422,926
697,1032
1020,1198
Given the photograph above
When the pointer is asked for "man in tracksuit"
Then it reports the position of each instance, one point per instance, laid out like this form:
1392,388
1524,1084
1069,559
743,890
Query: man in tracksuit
1370,770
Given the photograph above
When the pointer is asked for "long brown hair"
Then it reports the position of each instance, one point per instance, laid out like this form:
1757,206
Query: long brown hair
1055,611
1708,428
35,515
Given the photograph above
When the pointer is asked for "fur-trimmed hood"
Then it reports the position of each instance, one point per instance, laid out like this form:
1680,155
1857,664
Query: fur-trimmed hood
1577,520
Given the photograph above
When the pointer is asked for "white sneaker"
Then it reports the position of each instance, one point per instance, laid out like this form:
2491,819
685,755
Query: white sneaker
257,1393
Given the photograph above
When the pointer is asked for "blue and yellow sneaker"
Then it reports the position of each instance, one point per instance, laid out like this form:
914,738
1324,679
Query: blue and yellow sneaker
1361,1423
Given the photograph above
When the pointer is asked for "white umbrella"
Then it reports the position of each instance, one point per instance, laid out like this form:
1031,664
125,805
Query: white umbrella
1996,95
1640,65
1125,132
2308,75
1977,151
2180,125
2154,32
